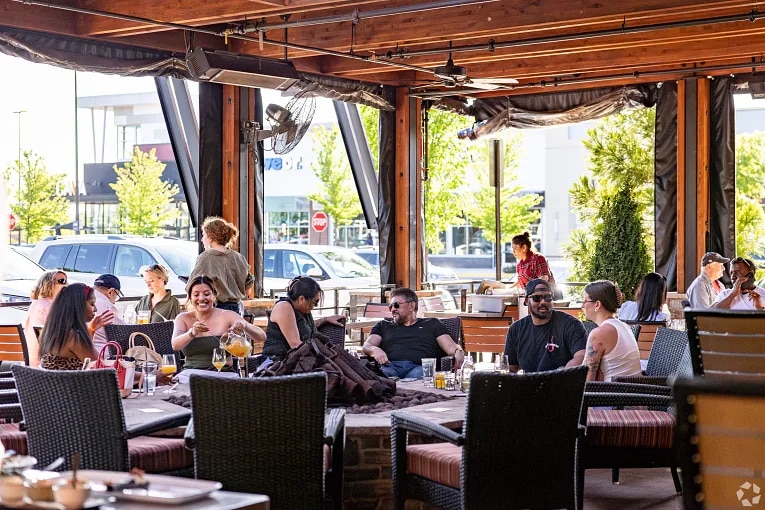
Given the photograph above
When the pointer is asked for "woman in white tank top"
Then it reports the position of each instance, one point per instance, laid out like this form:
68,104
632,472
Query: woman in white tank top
611,347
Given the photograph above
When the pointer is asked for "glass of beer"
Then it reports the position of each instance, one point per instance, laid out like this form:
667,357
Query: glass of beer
143,317
168,368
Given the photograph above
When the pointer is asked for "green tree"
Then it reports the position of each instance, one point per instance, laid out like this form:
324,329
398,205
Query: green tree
750,190
516,213
336,189
39,203
370,119
621,156
145,200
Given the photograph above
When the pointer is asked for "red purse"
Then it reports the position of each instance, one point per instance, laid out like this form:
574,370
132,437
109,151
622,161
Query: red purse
125,369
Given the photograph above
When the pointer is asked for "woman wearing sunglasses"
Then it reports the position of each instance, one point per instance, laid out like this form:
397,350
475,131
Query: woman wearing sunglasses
291,321
43,293
612,349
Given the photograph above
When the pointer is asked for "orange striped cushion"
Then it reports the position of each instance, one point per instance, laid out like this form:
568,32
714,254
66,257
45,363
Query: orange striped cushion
13,439
630,428
159,454
438,462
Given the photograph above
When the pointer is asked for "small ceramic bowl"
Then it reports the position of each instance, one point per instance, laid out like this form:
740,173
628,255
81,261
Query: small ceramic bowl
11,489
39,484
72,497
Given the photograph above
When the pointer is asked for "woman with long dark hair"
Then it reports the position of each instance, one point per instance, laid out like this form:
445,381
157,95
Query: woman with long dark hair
291,321
529,265
67,337
650,297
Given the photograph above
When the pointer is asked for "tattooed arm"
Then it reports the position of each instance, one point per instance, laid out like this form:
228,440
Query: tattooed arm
592,355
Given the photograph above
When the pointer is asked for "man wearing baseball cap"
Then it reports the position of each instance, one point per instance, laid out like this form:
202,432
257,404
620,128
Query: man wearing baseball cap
107,293
545,339
704,290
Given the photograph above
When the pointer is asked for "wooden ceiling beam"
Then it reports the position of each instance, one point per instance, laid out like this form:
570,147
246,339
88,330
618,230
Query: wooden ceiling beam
501,21
204,12
41,19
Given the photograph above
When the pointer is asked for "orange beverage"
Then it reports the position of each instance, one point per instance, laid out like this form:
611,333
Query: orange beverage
168,369
239,349
219,365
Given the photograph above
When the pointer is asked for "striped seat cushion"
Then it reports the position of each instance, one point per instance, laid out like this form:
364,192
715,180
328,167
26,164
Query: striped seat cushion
630,428
159,454
13,439
438,462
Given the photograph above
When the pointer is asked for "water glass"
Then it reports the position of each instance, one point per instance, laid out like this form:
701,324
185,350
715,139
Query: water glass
428,372
501,364
149,377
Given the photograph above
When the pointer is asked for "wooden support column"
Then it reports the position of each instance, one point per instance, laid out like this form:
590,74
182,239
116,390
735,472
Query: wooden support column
693,152
408,217
230,162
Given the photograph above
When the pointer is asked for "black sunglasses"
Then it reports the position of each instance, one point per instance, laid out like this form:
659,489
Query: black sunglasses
61,281
397,304
539,297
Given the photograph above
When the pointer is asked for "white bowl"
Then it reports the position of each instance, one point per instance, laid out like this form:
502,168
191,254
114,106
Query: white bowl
70,496
11,489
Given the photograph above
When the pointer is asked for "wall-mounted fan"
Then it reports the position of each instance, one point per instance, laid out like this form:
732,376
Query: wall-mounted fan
288,123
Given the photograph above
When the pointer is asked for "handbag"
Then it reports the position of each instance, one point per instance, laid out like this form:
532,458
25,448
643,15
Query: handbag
142,353
125,369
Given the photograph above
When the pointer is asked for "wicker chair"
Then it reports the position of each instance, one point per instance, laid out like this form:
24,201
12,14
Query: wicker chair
267,435
727,344
626,438
590,325
161,333
670,357
720,431
81,411
500,460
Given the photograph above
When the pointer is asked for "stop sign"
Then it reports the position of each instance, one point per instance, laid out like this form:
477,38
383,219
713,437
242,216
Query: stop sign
319,221
11,221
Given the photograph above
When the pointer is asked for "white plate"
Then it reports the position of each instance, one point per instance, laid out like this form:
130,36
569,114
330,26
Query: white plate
169,490
19,462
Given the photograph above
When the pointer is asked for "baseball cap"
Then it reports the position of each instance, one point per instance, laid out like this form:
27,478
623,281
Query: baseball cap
712,256
110,282
532,285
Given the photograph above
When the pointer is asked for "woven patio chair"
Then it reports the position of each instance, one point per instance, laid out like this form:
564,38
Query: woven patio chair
670,357
81,411
161,333
720,440
590,325
646,335
516,450
269,436
727,344
626,438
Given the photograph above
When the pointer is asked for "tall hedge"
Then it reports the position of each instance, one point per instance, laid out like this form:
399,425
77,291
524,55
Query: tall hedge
621,254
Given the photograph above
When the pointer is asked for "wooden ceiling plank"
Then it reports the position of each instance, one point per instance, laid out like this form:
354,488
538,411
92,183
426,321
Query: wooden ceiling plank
42,19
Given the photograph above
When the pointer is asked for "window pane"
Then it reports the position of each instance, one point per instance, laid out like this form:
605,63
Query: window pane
54,257
92,258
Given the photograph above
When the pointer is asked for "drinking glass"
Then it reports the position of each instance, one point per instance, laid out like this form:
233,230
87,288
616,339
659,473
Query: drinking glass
143,317
428,372
219,358
502,364
168,368
149,376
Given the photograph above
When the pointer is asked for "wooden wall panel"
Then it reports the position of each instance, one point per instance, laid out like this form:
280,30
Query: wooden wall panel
702,166
682,285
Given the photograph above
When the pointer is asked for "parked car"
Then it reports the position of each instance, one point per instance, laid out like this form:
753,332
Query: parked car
84,258
435,273
19,275
332,266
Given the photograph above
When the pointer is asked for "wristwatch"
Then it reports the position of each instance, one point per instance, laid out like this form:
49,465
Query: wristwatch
191,332
457,349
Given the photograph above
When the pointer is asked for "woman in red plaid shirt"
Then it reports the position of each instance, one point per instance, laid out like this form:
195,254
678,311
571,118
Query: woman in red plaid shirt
530,265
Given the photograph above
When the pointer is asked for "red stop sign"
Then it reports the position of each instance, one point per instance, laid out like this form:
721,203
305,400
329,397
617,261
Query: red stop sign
11,221
319,221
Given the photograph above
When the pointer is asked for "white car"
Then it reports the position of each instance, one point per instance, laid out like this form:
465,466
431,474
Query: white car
18,275
332,267
86,257
435,273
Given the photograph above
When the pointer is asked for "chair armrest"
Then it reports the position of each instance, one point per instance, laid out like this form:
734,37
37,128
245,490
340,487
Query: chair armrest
412,423
11,412
9,396
4,375
623,387
189,439
253,362
334,427
7,383
625,399
656,380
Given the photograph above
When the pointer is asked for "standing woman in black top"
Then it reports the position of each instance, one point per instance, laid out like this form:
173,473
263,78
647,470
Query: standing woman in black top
291,321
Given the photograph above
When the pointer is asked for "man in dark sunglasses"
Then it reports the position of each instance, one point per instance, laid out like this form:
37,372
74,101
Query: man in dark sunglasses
399,344
546,339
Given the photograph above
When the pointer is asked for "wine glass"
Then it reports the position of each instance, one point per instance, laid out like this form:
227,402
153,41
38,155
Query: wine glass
219,358
168,368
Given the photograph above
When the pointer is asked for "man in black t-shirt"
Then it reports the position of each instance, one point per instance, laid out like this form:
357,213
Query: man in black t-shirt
400,344
545,339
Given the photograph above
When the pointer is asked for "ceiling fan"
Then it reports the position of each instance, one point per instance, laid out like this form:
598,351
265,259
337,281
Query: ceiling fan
451,75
